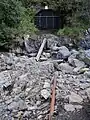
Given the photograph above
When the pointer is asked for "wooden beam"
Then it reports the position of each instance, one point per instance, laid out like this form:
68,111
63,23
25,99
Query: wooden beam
41,49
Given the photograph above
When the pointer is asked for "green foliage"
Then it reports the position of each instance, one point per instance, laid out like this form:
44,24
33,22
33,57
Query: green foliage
73,32
15,20
27,23
10,17
75,27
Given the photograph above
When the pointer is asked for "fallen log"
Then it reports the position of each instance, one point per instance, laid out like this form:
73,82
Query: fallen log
41,49
52,99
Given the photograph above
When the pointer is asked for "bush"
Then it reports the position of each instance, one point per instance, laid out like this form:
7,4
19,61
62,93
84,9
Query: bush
73,32
10,17
26,25
75,27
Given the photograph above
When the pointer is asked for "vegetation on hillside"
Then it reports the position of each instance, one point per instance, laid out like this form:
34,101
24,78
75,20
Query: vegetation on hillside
10,17
17,17
14,20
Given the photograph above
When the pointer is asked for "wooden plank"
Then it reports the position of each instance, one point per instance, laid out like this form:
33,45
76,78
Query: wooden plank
41,49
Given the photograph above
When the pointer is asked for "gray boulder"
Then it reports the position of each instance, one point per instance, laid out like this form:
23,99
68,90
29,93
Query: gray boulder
84,56
75,98
74,52
29,46
65,68
17,105
45,93
32,45
76,62
63,53
52,40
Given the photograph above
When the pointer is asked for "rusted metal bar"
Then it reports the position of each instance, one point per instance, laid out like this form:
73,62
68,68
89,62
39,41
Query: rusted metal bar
52,99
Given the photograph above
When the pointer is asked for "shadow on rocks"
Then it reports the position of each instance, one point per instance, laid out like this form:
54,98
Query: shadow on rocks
83,114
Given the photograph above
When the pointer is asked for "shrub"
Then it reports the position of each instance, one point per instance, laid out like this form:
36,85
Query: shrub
10,17
26,25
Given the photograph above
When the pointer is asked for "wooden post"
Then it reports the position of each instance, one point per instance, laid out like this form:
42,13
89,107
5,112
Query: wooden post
41,49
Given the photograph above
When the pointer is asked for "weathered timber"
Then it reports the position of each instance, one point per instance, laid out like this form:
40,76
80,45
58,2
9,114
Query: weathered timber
41,49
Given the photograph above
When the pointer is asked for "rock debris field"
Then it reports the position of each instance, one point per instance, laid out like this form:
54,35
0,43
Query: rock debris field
25,85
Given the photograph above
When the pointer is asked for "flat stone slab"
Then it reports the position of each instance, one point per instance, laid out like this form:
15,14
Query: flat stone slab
75,98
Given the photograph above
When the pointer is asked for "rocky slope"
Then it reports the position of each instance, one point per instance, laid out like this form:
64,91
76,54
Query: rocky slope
25,85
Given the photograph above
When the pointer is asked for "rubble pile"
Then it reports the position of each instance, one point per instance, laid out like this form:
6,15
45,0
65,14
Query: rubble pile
25,84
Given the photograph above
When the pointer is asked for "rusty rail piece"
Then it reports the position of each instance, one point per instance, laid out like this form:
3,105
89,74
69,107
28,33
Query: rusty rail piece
52,99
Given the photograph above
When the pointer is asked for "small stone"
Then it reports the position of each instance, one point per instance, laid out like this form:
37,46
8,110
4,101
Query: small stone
46,85
78,107
32,54
32,108
8,67
47,55
75,98
82,70
19,114
45,94
8,86
28,89
39,117
43,59
38,102
69,107
55,48
27,114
